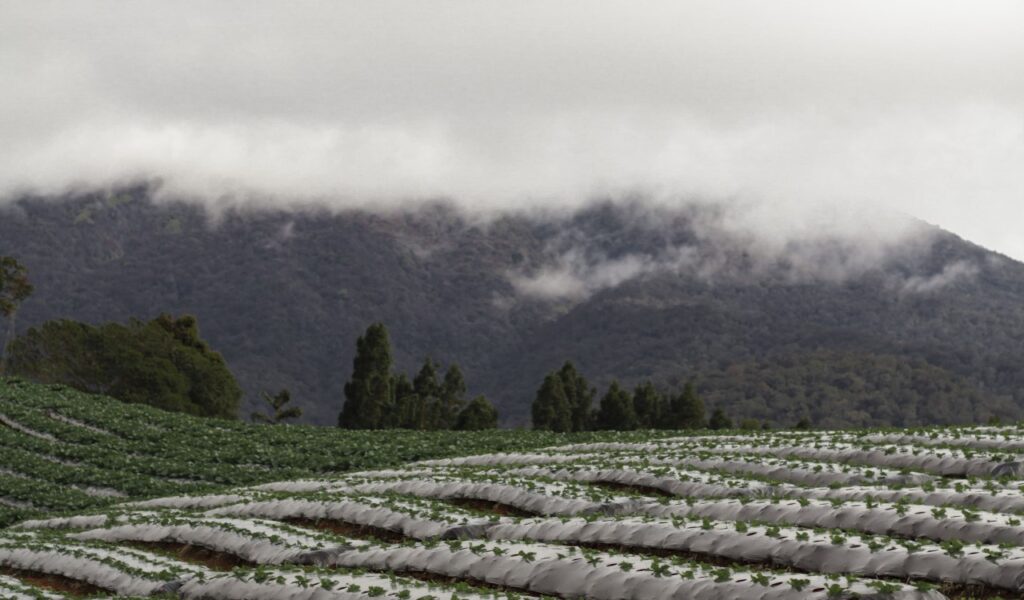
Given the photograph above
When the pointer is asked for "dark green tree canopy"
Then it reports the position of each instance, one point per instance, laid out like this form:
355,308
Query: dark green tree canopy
368,392
478,414
425,382
648,404
408,411
686,410
719,420
616,411
163,363
579,394
453,398
551,410
377,398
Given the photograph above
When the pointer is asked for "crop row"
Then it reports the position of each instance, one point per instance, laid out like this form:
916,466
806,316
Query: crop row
534,568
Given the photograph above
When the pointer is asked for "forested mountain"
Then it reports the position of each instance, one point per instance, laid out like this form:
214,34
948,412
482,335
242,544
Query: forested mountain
931,331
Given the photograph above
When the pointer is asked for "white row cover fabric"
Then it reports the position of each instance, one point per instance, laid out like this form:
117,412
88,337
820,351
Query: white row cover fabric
259,542
127,573
283,585
819,554
556,571
360,513
882,519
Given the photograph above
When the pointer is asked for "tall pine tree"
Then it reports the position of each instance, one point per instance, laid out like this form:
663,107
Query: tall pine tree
580,395
648,404
408,411
453,398
551,410
368,392
616,411
428,389
686,410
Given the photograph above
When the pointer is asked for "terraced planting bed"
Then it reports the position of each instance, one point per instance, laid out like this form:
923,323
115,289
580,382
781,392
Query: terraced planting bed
914,515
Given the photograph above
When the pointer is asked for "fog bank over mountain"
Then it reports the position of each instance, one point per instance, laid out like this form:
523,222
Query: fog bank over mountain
779,113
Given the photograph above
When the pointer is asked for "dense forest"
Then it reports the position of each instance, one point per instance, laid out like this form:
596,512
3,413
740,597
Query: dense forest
283,295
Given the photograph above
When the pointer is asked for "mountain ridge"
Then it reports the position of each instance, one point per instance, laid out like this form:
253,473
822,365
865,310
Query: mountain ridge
283,295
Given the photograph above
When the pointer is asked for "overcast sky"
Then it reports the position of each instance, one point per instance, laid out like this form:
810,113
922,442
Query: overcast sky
785,107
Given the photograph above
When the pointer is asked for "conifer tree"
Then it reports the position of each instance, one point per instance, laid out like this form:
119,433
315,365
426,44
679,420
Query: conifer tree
551,410
453,398
719,420
580,395
686,410
478,414
428,392
616,411
647,402
368,392
407,408
425,383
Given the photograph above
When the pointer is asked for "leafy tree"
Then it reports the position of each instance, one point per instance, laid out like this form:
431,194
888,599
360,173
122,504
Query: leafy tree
648,404
368,392
616,411
14,289
478,414
580,395
163,363
279,409
551,410
686,410
719,420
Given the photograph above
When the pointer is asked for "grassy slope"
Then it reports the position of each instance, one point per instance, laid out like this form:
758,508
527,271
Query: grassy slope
103,445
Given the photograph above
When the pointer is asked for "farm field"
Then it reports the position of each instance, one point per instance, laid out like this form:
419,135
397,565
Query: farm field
913,514
62,450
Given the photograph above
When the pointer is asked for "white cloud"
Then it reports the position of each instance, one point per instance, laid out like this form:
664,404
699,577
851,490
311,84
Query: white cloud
789,109
954,272
575,276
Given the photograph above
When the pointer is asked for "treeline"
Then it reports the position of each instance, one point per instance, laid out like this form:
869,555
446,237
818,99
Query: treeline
165,363
162,362
565,400
378,398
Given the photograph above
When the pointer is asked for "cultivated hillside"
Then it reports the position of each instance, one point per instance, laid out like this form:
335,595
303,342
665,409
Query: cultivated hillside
62,450
931,330
926,514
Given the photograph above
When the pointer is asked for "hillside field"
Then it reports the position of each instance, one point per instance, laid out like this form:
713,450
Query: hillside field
63,450
298,513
